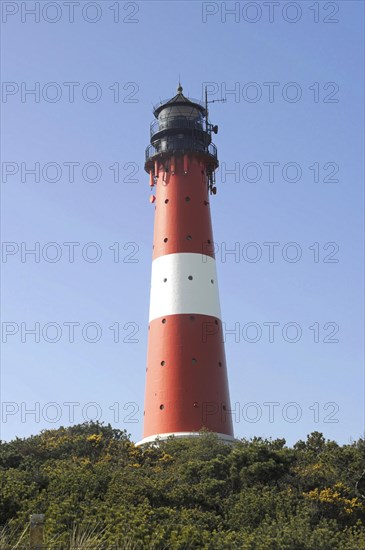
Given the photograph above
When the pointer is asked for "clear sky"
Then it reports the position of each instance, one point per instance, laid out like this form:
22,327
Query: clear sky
292,131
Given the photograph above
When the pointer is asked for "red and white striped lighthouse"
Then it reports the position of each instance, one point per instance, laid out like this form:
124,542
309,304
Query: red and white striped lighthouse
186,375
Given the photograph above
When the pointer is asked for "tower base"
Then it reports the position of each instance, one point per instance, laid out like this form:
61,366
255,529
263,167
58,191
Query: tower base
224,438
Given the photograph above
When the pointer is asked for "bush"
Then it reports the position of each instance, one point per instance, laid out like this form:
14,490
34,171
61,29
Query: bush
97,490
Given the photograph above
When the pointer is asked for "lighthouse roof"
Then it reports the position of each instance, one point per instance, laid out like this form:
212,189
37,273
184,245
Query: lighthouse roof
179,100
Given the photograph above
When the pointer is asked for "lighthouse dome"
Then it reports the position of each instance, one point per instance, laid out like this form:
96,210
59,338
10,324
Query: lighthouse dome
179,105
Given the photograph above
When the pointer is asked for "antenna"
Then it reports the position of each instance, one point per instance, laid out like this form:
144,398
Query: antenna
206,109
222,100
209,127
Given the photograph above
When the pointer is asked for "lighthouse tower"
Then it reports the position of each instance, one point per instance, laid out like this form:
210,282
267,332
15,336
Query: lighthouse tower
186,374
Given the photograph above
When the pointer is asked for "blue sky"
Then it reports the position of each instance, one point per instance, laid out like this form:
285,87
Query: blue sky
318,383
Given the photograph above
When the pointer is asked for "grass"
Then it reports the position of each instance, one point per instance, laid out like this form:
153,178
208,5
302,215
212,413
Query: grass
79,538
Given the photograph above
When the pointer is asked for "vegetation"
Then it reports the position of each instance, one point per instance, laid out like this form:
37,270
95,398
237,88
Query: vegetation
98,490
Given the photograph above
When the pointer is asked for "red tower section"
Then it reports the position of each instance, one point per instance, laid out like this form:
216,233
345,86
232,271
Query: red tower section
186,375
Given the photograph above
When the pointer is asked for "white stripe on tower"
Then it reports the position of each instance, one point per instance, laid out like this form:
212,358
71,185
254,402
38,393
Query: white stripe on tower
184,283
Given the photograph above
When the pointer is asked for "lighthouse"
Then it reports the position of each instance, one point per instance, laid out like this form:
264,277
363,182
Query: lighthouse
186,375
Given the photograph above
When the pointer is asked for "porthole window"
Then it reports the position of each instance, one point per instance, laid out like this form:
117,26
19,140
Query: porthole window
162,407
189,237
166,201
195,404
212,281
163,363
163,321
187,199
216,322
165,280
220,363
194,361
192,318
224,407
190,277
165,240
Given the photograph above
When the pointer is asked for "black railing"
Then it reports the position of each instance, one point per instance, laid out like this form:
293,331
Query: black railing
185,144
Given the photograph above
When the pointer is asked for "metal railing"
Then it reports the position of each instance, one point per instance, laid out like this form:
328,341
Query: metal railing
185,144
